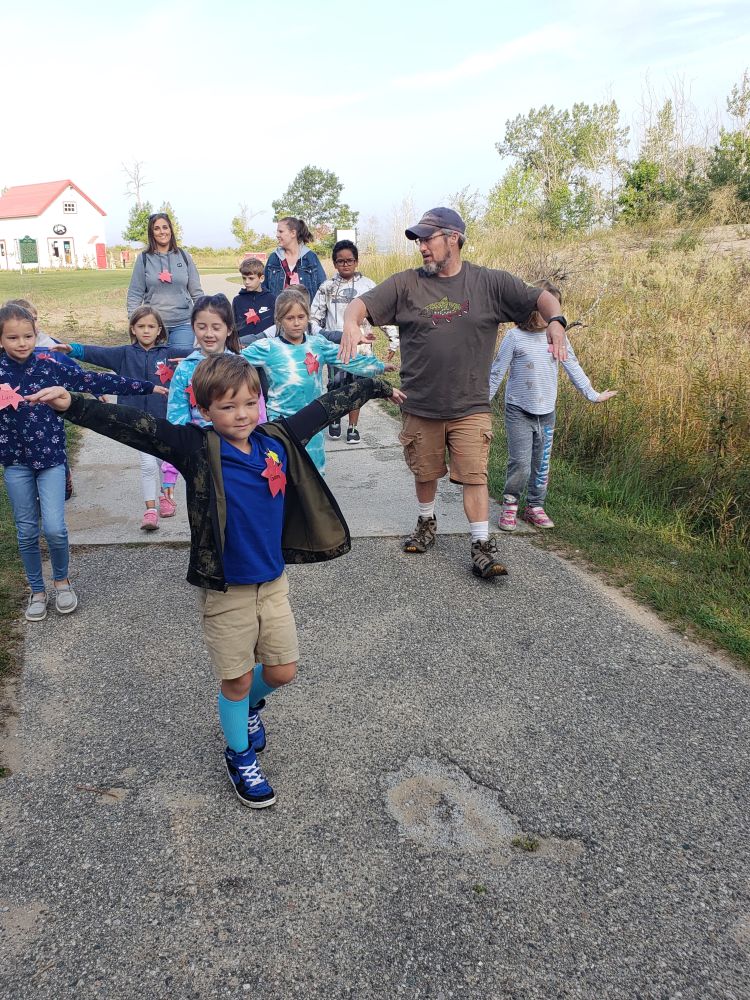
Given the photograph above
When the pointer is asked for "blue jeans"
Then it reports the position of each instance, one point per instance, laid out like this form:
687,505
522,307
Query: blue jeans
181,335
529,449
29,491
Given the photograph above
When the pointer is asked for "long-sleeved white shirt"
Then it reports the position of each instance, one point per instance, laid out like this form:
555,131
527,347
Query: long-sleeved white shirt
332,298
532,382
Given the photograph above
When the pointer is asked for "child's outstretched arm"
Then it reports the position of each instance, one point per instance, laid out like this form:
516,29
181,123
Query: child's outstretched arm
360,364
104,357
134,428
581,381
257,353
501,363
311,419
101,384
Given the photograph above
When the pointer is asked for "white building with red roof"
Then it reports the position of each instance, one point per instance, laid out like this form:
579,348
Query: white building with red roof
51,225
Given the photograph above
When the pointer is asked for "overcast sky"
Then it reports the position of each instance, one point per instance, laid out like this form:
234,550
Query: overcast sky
224,102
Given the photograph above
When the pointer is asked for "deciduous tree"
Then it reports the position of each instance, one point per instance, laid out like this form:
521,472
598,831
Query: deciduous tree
315,196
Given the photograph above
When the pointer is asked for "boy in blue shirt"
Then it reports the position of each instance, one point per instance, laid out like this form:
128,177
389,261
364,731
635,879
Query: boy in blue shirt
255,502
253,307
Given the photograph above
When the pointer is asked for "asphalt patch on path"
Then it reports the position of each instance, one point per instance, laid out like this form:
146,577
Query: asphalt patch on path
437,718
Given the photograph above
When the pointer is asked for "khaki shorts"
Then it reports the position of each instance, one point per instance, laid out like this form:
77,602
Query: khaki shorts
467,440
250,623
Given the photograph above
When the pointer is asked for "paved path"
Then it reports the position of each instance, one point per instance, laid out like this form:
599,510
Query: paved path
439,724
370,481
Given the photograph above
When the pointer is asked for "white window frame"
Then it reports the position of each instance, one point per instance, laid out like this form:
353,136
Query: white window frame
69,208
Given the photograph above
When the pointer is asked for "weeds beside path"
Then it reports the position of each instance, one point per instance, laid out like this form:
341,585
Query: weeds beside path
699,586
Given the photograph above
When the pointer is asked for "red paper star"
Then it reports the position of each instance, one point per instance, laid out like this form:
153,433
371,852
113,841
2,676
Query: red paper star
311,363
165,276
191,395
275,476
164,372
251,316
9,396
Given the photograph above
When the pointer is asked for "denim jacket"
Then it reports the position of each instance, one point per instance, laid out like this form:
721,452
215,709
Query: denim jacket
309,269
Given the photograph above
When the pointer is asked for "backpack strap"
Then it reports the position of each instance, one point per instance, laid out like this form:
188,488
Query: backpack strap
184,256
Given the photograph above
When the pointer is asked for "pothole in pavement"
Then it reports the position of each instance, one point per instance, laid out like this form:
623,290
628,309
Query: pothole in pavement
440,806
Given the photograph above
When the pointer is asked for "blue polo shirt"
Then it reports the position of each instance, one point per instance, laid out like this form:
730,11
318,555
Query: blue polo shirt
252,540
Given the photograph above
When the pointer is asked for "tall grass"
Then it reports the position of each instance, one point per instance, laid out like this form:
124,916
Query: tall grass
668,325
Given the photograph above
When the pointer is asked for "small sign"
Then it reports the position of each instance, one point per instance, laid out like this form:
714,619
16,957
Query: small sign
59,229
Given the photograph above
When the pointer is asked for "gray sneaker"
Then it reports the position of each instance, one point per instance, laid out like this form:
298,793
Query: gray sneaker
66,600
37,608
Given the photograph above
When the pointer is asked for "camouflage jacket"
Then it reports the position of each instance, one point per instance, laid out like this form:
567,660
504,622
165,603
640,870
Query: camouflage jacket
314,528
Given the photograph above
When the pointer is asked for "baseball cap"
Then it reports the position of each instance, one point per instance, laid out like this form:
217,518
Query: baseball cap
437,218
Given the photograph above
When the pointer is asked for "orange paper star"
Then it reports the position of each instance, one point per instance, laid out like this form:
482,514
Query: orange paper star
251,316
311,363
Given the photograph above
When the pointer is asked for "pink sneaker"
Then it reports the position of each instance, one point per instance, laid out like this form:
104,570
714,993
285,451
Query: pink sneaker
538,517
507,519
167,506
150,520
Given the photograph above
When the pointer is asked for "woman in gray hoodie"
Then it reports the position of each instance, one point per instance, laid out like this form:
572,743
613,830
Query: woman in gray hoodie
165,278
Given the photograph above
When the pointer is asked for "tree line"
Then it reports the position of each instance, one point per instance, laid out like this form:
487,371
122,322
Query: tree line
569,170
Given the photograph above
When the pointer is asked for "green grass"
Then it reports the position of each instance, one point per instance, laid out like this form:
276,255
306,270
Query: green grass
73,304
11,587
699,586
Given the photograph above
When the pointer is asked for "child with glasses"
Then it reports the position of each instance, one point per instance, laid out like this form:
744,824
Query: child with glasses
327,309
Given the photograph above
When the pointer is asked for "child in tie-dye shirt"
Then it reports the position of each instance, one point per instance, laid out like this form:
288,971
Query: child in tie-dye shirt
293,361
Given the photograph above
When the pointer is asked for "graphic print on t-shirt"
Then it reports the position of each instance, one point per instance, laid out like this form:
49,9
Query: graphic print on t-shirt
443,311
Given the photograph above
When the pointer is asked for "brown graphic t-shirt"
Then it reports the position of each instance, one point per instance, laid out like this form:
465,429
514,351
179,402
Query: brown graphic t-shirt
448,330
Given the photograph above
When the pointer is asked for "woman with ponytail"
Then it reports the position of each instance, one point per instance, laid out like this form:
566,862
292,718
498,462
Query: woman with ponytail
292,263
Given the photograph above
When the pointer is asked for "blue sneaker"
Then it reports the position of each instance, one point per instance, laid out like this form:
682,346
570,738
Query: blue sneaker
256,732
248,780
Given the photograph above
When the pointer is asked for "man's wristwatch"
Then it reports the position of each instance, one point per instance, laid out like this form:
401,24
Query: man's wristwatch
559,319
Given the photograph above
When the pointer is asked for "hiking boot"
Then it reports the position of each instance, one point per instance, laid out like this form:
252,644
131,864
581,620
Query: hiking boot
352,436
538,517
423,536
248,780
509,514
150,520
484,560
334,429
256,731
66,600
36,610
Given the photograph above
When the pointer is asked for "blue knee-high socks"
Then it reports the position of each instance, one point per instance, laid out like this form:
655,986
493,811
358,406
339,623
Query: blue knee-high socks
233,718
258,689
233,714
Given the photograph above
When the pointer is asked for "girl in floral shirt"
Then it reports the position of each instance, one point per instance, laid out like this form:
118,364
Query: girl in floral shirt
32,451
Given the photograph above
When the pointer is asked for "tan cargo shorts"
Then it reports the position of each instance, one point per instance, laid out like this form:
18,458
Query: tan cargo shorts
466,439
248,624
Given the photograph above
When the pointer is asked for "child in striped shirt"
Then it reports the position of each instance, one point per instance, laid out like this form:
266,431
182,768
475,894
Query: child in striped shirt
530,397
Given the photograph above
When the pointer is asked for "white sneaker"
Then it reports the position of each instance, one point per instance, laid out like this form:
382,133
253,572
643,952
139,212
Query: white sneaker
36,610
66,600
